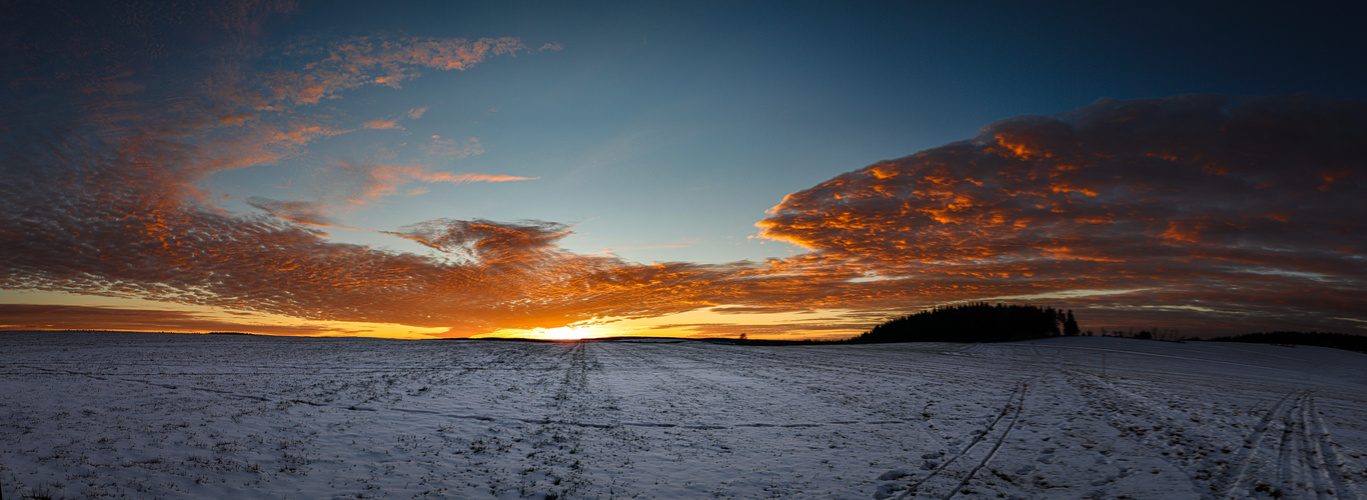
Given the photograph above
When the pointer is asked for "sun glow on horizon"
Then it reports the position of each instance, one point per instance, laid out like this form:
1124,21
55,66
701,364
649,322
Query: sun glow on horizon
561,333
568,333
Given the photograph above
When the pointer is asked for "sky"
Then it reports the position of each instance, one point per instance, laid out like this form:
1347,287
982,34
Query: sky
780,169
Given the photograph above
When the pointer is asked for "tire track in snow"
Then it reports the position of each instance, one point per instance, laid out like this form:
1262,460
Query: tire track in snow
1164,430
995,446
1326,463
1014,404
1306,458
1236,472
560,418
554,443
1305,469
905,387
581,438
1285,460
1311,459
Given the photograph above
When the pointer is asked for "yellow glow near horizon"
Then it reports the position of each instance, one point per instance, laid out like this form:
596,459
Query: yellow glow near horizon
561,333
790,325
696,323
701,323
558,333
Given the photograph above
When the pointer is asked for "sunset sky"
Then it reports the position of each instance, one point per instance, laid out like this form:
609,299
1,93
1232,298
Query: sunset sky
782,169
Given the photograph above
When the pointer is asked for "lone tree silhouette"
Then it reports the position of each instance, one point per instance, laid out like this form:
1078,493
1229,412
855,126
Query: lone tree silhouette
1070,325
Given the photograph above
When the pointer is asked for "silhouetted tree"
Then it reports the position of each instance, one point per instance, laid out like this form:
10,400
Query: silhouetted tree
1070,325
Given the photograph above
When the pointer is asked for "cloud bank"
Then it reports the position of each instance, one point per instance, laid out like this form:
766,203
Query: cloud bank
1199,203
54,317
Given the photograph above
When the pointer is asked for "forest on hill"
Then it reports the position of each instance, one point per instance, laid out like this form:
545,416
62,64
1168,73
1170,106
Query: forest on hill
1318,339
980,322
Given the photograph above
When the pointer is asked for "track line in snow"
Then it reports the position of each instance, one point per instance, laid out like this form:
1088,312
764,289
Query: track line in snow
995,446
1306,463
1172,433
1150,354
1015,401
562,394
1326,462
1236,472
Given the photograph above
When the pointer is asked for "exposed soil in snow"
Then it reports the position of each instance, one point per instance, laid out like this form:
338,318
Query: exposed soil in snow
182,416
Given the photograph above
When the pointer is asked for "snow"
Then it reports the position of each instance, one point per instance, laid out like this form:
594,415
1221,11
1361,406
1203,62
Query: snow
94,415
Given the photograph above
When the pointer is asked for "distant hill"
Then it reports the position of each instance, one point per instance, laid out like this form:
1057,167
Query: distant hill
979,322
1318,339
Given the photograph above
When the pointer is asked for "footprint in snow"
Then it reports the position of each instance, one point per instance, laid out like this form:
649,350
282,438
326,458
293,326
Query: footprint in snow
887,490
894,474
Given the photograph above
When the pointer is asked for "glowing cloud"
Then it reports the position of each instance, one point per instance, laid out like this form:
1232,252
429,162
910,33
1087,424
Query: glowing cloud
373,61
380,124
50,317
1198,199
378,181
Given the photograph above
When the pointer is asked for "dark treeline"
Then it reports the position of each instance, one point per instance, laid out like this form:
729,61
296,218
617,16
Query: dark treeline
981,322
1318,339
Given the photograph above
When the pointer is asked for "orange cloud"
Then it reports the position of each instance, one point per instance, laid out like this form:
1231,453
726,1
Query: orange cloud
1117,195
364,61
378,181
615,250
102,197
379,124
55,317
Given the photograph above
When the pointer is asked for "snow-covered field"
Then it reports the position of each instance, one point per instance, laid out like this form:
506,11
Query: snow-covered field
184,416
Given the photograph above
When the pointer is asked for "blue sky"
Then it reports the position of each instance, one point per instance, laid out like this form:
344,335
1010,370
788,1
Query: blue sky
680,124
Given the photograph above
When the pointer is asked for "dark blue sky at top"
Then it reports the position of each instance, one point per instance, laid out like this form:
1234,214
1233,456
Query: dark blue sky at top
1036,59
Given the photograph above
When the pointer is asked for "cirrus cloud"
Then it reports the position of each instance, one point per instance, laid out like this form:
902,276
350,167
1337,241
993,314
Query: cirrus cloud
382,124
452,148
